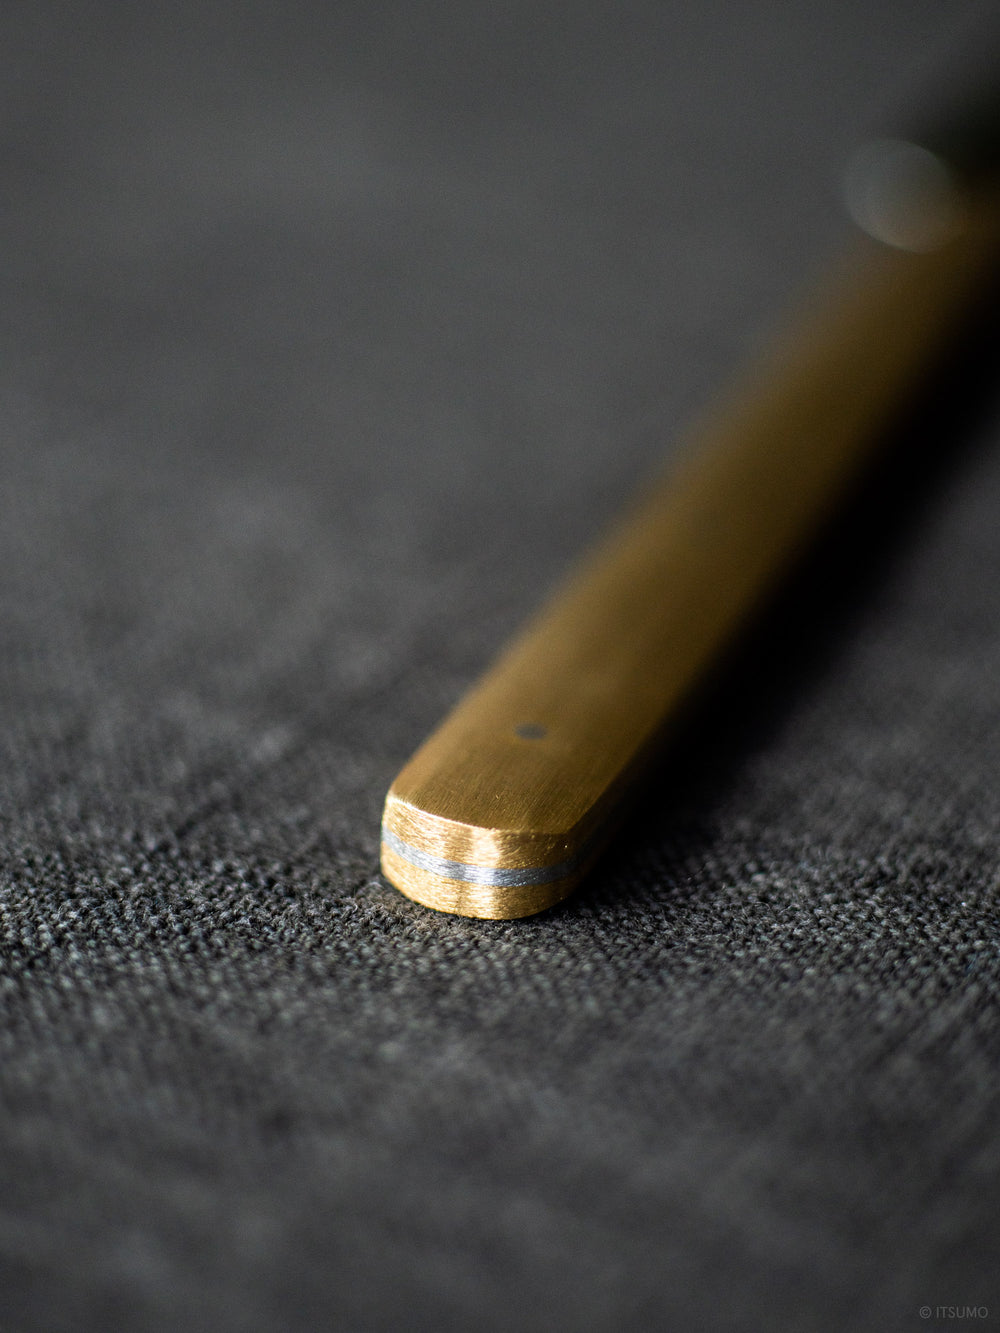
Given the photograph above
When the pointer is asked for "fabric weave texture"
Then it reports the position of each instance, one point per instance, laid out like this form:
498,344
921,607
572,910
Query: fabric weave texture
330,335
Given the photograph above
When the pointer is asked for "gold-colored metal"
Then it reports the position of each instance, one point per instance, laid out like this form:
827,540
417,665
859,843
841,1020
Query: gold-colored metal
501,810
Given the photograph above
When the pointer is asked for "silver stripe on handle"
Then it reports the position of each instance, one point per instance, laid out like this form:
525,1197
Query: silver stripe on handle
469,874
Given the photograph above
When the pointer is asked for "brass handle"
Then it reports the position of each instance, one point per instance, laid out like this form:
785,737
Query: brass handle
501,810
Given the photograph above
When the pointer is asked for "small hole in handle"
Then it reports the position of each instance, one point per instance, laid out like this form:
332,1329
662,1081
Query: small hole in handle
530,731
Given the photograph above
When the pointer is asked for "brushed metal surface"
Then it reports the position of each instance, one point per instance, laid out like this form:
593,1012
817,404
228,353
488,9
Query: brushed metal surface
523,775
496,876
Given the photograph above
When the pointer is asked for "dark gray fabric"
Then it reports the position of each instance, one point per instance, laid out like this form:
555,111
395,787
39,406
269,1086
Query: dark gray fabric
329,335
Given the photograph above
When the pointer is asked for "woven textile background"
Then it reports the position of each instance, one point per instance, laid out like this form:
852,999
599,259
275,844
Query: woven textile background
330,334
